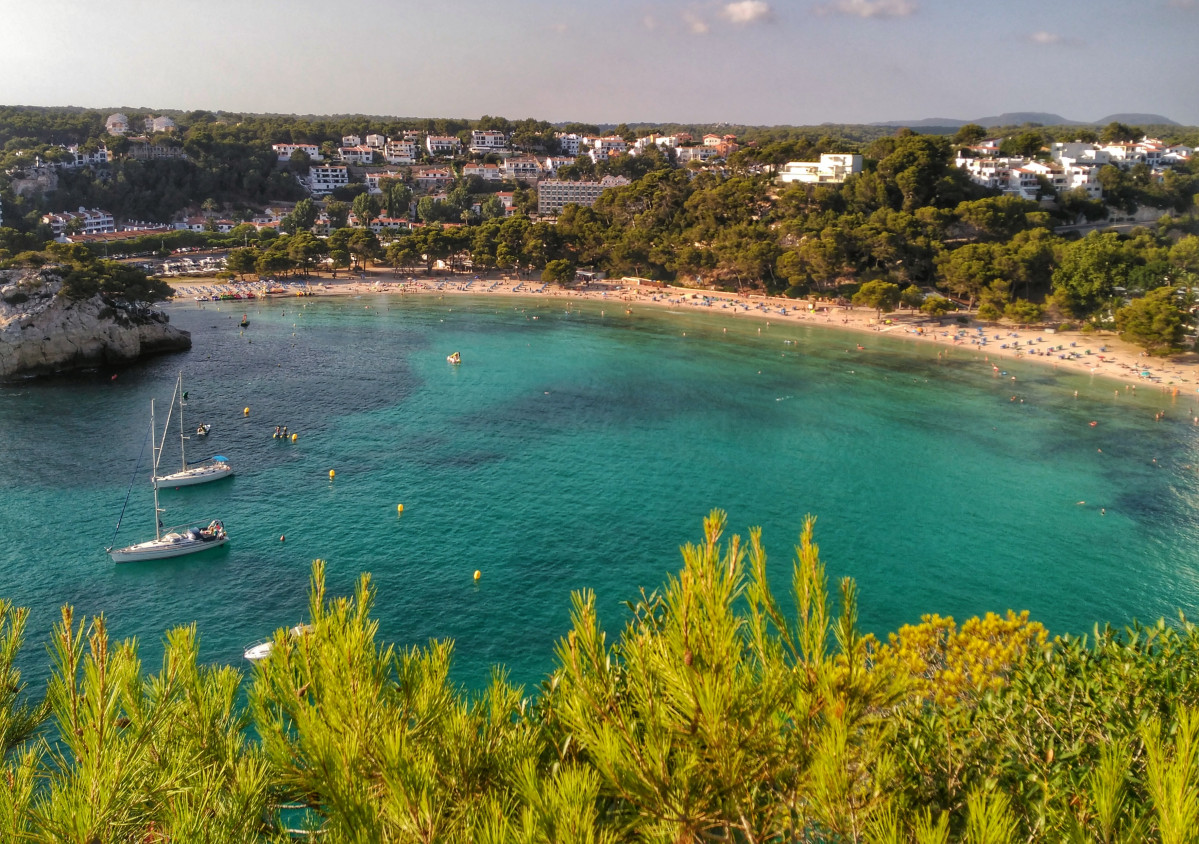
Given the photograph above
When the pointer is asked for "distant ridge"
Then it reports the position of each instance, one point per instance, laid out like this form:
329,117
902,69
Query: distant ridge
1019,118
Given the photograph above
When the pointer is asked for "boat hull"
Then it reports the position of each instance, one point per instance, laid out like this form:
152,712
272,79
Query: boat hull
191,477
162,549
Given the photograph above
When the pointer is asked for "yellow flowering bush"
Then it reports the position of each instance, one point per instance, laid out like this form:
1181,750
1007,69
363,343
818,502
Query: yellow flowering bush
949,664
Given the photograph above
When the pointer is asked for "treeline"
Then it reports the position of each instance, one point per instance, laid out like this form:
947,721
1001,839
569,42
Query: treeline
719,712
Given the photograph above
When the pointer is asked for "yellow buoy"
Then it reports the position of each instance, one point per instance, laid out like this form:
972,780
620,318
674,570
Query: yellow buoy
246,412
478,574
293,437
399,508
331,474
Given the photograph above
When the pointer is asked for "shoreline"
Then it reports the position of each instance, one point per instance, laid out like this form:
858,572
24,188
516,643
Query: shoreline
1099,354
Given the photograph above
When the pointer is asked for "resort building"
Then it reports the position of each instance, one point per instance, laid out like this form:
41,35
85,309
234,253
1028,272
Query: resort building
522,169
685,155
351,141
361,155
399,152
116,124
372,180
833,168
442,144
432,178
325,177
79,158
553,163
83,221
487,141
285,151
553,195
159,124
1027,179
375,141
569,144
601,148
486,172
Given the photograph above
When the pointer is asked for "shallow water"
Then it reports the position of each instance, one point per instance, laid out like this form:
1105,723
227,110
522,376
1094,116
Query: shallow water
576,450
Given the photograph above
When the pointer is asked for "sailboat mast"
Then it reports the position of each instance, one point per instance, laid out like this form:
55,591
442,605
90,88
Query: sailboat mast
182,437
156,451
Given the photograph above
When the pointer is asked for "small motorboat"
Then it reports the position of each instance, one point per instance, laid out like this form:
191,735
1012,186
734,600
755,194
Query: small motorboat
202,430
261,650
245,320
456,357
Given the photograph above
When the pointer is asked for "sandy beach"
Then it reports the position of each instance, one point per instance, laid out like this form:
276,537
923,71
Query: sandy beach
1099,354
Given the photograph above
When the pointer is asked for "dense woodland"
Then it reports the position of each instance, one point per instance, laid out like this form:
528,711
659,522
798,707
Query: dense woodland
911,229
718,712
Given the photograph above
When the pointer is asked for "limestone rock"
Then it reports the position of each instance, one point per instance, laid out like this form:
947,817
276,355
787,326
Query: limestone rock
42,331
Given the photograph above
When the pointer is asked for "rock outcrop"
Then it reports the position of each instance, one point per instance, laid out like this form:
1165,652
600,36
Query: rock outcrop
42,331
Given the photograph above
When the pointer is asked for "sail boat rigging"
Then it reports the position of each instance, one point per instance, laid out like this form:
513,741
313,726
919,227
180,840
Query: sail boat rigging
168,542
200,472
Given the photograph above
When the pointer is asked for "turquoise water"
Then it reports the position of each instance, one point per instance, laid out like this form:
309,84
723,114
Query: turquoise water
574,449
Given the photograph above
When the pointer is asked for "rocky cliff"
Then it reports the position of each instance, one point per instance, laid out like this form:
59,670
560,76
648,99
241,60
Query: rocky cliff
43,331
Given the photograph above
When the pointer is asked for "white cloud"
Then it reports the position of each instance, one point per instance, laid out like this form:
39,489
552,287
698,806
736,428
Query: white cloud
869,8
695,24
747,11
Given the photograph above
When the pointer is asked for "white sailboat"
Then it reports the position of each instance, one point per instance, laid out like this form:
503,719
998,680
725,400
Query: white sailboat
168,542
202,471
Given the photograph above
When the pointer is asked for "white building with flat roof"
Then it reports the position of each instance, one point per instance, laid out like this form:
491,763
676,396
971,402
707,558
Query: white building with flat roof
286,151
833,168
323,178
553,195
488,140
442,144
399,152
88,220
361,155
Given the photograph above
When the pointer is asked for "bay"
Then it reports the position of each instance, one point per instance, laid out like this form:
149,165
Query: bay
577,447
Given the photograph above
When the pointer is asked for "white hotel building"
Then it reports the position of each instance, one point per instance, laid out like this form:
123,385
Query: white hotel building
323,179
553,195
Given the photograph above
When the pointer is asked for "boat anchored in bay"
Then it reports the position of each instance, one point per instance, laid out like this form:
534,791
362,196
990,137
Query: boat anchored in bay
200,472
167,542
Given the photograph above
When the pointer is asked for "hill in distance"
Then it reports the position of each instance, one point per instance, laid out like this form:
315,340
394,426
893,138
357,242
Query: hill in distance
1019,118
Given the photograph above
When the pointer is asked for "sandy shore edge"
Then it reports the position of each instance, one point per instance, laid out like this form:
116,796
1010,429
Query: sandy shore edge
1099,354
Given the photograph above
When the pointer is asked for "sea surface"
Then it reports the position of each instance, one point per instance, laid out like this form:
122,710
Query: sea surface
578,447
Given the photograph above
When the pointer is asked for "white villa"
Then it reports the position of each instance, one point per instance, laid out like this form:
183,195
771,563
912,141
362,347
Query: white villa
90,221
522,169
569,143
360,154
86,159
833,168
399,152
442,144
487,141
372,180
486,172
285,151
323,178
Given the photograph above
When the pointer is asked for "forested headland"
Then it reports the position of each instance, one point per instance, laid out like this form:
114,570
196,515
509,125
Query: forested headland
718,711
911,229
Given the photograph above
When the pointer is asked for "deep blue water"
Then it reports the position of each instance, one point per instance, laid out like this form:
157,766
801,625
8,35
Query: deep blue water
576,450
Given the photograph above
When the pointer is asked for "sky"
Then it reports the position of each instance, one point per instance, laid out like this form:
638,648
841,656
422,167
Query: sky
758,62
